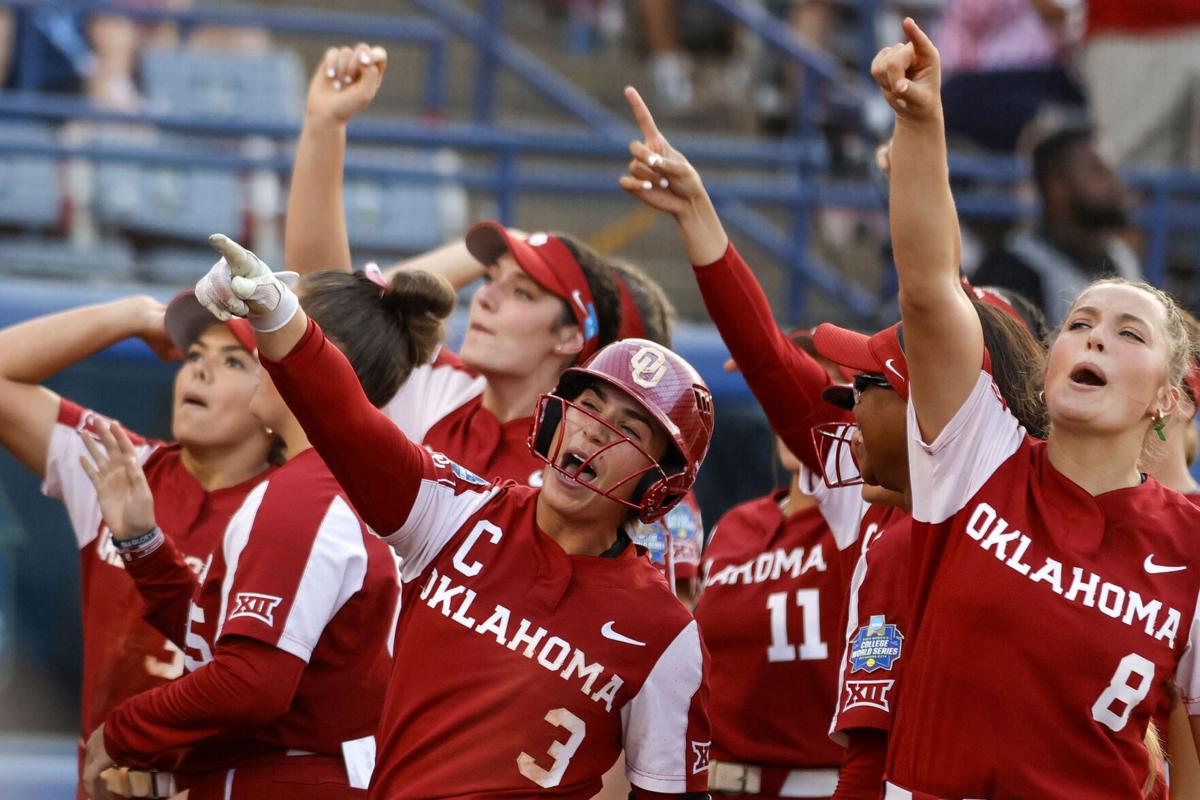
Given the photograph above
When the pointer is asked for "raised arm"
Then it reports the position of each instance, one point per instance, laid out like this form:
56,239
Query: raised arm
32,351
380,469
451,261
344,84
786,381
942,334
127,505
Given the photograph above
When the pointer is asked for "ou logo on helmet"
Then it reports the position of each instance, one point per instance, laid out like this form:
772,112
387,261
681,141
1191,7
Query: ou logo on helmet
648,366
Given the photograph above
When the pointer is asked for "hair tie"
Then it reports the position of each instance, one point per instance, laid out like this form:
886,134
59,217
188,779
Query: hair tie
376,277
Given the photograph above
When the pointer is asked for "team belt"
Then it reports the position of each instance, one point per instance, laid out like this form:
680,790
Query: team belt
729,776
150,784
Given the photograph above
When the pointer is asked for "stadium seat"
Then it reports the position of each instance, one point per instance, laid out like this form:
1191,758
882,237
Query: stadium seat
30,190
267,87
395,215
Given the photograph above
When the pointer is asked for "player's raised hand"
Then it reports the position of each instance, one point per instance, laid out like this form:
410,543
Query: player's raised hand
121,488
345,82
240,284
910,75
150,328
659,175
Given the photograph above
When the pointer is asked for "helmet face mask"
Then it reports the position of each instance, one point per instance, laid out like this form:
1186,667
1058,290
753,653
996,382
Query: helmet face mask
549,438
663,385
834,441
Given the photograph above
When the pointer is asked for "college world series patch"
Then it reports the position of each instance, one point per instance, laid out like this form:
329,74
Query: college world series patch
876,646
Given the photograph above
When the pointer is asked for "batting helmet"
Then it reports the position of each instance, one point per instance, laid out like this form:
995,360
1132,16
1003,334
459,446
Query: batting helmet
668,389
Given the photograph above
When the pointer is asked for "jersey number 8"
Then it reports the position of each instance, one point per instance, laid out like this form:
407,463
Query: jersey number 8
1120,691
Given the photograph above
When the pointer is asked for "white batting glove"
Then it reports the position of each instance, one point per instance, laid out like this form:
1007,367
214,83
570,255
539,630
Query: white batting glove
242,285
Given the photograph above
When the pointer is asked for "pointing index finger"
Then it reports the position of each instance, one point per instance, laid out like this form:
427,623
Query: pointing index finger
922,44
234,253
641,113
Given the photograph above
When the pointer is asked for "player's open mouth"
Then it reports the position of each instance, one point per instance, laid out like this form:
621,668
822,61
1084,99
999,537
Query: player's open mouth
194,401
1088,375
572,463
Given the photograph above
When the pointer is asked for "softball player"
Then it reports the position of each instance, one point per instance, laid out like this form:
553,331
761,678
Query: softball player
200,479
535,644
1034,556
770,616
288,631
548,301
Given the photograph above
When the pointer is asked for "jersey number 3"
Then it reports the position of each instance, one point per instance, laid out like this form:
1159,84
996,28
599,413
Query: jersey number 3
812,648
561,752
1121,691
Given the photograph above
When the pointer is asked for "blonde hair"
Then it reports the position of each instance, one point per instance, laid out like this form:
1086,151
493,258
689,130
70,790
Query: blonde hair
1154,753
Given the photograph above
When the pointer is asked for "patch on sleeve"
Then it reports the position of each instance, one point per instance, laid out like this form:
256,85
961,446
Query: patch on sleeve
876,646
869,694
700,752
461,474
256,606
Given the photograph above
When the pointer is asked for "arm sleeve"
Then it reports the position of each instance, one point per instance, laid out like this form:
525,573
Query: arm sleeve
1187,673
946,473
666,730
246,685
297,555
861,773
166,585
786,380
412,498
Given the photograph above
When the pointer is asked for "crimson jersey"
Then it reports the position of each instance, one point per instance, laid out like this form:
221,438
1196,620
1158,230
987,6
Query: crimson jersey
122,654
520,668
1046,622
440,405
769,614
877,624
296,570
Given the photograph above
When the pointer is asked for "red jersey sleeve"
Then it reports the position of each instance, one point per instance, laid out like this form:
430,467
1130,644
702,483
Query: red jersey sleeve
786,380
412,498
166,585
666,729
246,685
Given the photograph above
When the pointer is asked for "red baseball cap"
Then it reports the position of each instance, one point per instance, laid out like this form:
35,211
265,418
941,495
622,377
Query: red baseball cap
881,353
186,319
550,263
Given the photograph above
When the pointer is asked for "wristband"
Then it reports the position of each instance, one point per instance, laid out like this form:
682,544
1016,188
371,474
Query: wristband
139,546
279,316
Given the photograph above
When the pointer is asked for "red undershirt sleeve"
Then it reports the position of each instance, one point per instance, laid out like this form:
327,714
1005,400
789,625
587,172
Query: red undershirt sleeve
166,585
786,380
376,464
861,775
246,685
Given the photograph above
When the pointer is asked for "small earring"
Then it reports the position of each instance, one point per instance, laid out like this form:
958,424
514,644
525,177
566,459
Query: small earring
268,431
1041,395
1160,422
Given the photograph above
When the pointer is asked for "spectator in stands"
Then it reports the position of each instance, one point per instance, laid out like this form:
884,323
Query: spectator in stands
1141,64
1075,241
1002,61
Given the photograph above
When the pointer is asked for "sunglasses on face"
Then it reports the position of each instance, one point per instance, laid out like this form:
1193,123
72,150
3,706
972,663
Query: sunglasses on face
865,380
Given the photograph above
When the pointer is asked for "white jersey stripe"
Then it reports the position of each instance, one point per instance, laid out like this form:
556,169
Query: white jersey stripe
237,534
656,720
438,512
335,571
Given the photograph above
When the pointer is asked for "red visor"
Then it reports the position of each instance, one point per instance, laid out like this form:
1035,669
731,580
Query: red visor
882,353
549,262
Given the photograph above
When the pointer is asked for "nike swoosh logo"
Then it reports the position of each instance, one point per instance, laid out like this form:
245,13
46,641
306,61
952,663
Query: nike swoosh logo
1155,569
578,298
888,365
608,633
